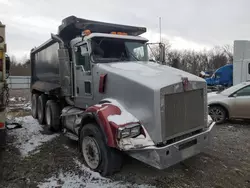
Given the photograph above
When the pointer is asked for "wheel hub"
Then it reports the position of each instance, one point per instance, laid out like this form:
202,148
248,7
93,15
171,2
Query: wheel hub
216,114
91,152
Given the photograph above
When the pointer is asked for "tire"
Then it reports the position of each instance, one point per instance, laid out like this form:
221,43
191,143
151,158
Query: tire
34,105
42,99
52,115
107,160
218,114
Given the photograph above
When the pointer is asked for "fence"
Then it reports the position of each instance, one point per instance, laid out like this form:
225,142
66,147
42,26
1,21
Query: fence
19,82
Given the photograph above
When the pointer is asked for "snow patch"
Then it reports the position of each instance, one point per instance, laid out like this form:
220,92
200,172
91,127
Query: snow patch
15,99
142,69
124,118
29,137
65,146
88,179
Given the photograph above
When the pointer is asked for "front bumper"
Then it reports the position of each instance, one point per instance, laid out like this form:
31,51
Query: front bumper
164,157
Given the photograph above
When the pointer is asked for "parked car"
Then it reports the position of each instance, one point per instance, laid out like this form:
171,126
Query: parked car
231,103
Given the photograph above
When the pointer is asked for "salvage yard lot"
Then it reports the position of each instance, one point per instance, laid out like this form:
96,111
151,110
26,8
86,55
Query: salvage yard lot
34,157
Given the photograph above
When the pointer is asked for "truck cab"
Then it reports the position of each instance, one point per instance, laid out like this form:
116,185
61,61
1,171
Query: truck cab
222,76
94,81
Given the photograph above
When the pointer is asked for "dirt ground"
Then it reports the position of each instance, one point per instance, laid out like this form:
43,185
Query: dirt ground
225,164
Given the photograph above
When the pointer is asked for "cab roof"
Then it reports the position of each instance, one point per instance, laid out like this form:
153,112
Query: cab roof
73,26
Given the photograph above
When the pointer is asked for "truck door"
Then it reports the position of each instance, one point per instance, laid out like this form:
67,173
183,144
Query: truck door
83,77
241,103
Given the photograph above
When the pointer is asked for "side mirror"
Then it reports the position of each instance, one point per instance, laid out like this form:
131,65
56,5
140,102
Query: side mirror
234,95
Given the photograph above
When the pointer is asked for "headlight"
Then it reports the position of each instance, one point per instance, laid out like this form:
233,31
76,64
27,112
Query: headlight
129,131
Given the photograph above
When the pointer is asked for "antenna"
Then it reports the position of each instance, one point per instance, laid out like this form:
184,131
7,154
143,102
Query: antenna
160,27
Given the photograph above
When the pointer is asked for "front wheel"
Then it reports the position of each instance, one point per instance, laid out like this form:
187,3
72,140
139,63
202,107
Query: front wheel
96,154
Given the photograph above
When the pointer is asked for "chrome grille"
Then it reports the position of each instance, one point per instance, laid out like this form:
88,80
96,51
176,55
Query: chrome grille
184,112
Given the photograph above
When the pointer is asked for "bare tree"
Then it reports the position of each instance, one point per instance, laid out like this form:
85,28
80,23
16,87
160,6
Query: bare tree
228,50
154,49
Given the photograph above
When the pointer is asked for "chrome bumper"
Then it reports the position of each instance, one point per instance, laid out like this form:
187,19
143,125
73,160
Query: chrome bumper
164,157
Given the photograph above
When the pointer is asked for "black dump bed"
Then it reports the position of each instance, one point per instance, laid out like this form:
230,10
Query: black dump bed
45,62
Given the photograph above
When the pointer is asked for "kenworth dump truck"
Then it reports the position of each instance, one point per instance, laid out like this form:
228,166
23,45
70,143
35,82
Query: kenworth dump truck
94,81
4,68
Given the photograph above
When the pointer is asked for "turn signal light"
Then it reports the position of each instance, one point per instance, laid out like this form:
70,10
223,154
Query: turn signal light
1,54
118,33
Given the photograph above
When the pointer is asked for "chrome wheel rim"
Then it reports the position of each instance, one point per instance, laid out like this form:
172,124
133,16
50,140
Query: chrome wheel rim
216,114
91,152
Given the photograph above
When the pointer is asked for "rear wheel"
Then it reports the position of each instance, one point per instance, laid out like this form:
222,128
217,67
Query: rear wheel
41,108
96,154
52,115
218,114
34,105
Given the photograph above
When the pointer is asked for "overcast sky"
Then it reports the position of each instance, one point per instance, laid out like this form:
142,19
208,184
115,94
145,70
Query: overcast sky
193,24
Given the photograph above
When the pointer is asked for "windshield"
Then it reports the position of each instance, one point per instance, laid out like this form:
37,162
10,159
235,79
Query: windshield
232,89
113,49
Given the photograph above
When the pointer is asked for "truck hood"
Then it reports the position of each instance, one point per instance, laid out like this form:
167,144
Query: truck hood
149,74
139,88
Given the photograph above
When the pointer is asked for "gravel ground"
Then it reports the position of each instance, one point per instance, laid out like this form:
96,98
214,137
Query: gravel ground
225,164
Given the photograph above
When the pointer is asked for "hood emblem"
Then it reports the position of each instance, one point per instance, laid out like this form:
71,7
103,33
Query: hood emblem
185,83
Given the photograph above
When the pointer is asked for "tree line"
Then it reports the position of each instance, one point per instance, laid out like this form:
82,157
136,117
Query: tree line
195,61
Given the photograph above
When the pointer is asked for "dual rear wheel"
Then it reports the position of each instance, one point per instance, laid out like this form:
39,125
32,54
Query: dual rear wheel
46,111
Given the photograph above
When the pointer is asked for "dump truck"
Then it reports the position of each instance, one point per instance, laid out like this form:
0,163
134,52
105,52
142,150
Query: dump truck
4,68
94,82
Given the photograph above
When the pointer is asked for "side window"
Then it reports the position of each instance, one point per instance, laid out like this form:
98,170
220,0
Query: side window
244,92
248,68
82,56
217,75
